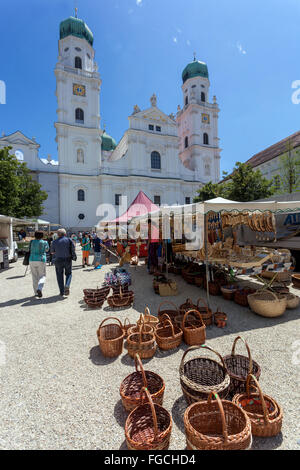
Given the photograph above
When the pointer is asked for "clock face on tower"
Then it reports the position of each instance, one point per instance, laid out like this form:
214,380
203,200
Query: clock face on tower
205,118
78,89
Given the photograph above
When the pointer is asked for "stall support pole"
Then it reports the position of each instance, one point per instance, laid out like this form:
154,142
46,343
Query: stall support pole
206,259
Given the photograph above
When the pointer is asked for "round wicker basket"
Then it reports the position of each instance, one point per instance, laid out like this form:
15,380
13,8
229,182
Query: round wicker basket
267,304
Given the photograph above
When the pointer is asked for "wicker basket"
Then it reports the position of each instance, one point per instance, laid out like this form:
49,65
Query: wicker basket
283,276
296,280
172,313
110,338
94,303
228,291
214,288
193,334
132,385
241,296
188,305
102,292
292,300
142,344
148,427
267,304
201,376
217,425
167,335
123,299
148,319
263,411
220,318
239,367
127,327
206,313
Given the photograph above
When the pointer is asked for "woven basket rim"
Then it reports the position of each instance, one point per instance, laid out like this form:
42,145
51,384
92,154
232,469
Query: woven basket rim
203,388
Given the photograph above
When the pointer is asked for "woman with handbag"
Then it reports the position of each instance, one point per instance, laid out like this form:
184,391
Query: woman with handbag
37,261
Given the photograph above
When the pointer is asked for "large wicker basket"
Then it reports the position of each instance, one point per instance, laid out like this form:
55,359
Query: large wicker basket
123,299
193,334
142,344
217,425
267,304
132,385
111,337
239,367
148,427
201,376
167,335
263,411
171,312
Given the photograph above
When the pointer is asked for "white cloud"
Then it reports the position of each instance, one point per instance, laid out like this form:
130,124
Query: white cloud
175,40
240,48
139,3
188,42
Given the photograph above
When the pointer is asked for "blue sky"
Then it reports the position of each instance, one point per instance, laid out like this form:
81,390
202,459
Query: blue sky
251,49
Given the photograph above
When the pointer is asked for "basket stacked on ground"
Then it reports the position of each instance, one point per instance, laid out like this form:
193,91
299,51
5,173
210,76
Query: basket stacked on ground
206,313
200,376
95,298
239,367
141,343
263,411
167,335
193,333
220,318
132,385
123,299
217,425
171,312
148,319
267,304
111,337
148,427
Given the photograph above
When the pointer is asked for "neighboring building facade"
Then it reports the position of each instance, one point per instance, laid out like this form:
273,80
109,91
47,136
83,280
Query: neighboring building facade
167,157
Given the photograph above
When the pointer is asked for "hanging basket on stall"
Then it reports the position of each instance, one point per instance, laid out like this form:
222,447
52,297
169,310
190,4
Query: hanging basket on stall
239,367
167,335
132,385
142,344
217,425
193,334
148,427
201,376
206,313
263,411
111,337
171,312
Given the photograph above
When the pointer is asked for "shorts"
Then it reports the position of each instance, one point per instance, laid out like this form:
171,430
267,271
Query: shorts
85,254
97,256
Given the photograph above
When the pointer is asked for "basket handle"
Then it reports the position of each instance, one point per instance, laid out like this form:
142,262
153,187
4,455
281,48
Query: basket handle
168,303
188,312
203,346
224,426
171,325
125,322
204,303
147,311
145,389
164,318
264,406
138,362
248,349
111,318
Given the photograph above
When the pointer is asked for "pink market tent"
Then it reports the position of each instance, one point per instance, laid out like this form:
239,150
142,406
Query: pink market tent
142,205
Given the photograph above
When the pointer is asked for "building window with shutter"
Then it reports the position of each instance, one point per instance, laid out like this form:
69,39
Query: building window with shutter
157,200
118,199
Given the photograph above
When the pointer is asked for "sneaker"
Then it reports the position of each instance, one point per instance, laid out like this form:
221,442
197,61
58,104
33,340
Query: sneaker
67,290
39,293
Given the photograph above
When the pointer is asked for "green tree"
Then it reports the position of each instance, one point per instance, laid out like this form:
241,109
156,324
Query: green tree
288,178
208,191
20,195
247,184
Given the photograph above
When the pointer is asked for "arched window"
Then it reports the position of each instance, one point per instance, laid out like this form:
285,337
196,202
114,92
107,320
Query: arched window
78,63
186,142
80,156
155,161
205,138
186,100
80,195
203,96
79,115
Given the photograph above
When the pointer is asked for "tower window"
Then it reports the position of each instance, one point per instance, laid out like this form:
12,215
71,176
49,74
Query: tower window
151,127
186,100
77,49
155,161
203,96
78,63
157,200
80,195
205,138
158,128
186,142
79,115
118,199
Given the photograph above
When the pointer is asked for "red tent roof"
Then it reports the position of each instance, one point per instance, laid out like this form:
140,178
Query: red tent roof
140,206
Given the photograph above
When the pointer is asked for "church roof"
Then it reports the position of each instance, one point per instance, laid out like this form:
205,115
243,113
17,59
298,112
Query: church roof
75,27
195,69
108,142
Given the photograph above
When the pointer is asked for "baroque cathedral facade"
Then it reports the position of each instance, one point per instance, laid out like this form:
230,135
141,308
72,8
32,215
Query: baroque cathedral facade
168,157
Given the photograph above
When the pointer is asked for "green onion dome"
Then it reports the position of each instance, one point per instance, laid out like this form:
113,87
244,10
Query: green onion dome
75,27
108,143
195,69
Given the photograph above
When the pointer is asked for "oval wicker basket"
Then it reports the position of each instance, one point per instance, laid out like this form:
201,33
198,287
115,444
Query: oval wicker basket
292,300
142,344
193,334
110,338
172,313
239,367
267,304
188,305
123,299
148,427
148,319
168,336
206,313
241,296
217,425
228,291
263,411
201,376
132,385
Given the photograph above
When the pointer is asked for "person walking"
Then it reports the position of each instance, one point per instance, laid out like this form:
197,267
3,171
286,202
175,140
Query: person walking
64,250
97,251
37,261
86,248
107,242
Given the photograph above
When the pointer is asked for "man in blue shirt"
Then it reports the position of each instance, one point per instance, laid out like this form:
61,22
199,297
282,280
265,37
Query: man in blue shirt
64,251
